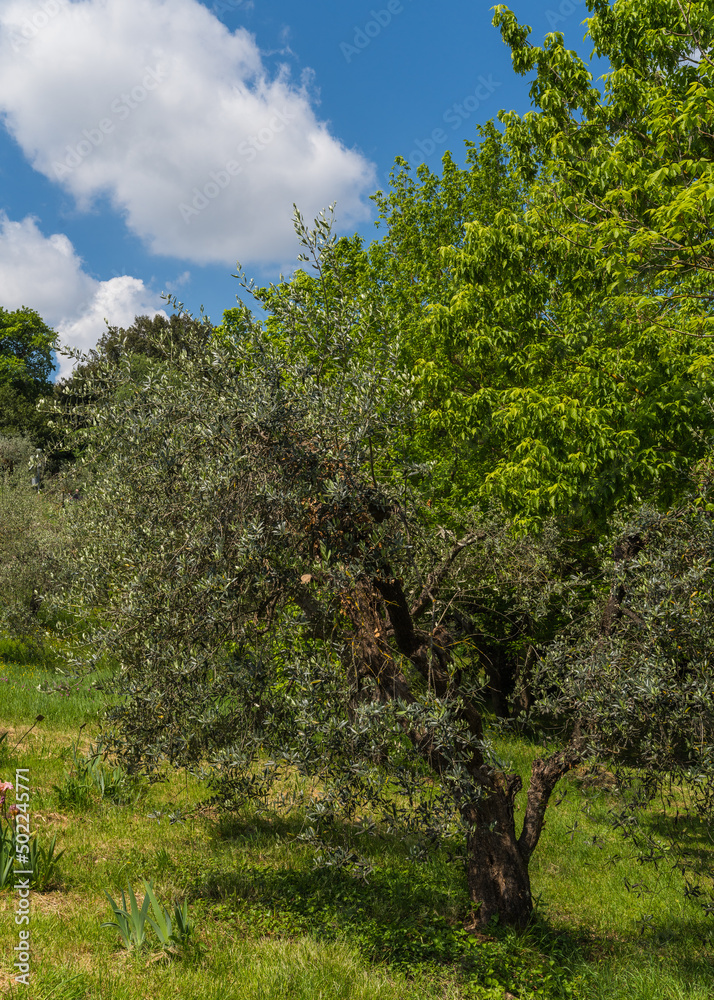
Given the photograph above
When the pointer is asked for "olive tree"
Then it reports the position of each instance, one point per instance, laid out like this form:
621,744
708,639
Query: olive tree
636,671
270,591
34,541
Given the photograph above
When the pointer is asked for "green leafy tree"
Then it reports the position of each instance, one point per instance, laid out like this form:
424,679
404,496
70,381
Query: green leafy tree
26,364
588,326
149,339
553,297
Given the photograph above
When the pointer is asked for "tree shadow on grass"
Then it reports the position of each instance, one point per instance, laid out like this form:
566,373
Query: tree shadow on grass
408,914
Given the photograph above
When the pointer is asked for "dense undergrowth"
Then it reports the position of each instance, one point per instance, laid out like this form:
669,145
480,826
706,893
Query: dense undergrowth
272,924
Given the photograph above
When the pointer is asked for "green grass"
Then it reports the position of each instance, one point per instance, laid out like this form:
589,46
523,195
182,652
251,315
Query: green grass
271,925
36,679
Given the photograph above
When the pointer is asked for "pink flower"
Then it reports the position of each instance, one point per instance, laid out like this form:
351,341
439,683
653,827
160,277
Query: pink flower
5,787
13,810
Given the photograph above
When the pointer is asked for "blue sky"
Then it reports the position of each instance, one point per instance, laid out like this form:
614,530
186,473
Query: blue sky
149,144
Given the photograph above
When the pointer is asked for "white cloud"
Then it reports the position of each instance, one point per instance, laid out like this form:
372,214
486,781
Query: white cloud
45,274
178,282
156,104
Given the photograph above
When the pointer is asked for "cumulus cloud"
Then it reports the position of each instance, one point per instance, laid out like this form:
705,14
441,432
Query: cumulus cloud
45,274
156,104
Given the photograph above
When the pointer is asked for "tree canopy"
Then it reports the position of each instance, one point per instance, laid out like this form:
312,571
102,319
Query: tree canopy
26,364
553,301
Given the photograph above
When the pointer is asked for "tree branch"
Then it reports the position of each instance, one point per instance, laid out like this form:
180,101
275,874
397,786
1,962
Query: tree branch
545,775
436,577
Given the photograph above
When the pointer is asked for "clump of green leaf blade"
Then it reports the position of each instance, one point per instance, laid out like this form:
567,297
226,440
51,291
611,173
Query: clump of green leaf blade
7,856
161,921
91,776
43,862
184,925
131,923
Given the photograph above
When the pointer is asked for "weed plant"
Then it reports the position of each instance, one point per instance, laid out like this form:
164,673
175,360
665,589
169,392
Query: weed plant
91,778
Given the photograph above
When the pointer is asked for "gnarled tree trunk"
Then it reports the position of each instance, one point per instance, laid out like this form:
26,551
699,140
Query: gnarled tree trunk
498,857
496,871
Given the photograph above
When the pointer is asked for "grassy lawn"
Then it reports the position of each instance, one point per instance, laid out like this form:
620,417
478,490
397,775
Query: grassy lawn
269,925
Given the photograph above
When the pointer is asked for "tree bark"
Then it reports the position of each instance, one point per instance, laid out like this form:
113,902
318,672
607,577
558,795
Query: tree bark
496,871
497,861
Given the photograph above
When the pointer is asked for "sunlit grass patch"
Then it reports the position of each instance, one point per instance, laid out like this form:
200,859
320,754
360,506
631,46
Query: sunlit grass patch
40,680
303,969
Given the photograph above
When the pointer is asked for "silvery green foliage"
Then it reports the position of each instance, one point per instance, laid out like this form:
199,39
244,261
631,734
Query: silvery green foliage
638,674
243,485
33,540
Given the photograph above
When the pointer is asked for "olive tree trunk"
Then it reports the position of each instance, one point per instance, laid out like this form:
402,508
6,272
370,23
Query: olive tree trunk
497,858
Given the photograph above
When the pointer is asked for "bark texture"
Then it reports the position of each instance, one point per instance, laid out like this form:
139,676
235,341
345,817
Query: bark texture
498,859
497,874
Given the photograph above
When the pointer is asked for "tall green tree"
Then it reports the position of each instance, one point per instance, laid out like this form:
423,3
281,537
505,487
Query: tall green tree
553,296
575,356
26,365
